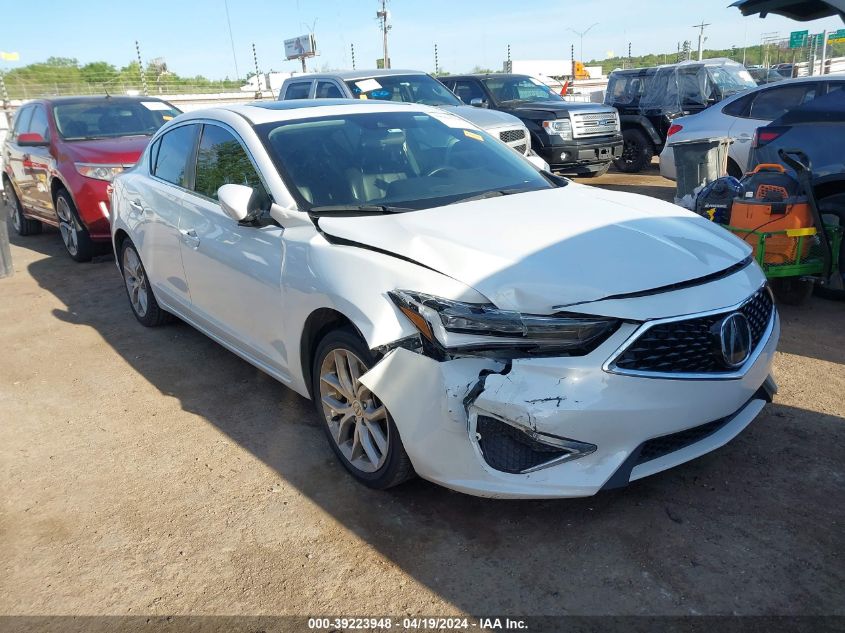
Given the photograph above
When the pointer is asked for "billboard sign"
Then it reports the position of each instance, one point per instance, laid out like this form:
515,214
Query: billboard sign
299,47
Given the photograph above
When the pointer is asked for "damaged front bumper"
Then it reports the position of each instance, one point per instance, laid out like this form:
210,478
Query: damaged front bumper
558,427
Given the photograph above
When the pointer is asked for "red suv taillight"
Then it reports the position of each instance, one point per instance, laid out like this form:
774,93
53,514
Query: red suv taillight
674,129
765,135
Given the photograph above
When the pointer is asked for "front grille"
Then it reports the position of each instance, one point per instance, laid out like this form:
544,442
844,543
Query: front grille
510,450
665,444
692,345
594,123
511,136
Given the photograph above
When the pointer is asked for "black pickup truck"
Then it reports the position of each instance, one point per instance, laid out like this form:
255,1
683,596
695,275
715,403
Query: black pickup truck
573,138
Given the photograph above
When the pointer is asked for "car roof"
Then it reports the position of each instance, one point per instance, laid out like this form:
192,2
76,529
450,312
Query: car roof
346,75
479,75
259,112
93,99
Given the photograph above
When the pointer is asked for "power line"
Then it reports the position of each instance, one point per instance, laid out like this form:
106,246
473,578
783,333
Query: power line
231,39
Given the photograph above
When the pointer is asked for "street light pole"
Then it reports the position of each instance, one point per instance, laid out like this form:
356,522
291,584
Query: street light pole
581,35
384,16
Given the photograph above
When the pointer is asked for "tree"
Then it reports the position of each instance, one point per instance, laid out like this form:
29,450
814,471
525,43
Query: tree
98,72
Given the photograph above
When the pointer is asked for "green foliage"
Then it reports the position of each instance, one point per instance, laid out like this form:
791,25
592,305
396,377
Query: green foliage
754,55
65,76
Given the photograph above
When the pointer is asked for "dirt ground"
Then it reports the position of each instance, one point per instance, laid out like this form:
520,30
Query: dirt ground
152,472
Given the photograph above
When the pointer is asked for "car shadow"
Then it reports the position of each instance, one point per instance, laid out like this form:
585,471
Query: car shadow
693,539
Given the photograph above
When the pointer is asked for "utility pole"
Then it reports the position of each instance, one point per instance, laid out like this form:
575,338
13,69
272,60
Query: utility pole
701,38
258,94
581,35
630,63
572,56
352,48
824,51
436,63
141,69
7,269
509,67
384,16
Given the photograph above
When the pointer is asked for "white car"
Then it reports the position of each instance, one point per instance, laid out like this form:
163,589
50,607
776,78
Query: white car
451,310
739,116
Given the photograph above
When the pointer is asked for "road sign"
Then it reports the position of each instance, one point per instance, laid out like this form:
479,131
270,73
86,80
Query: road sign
836,37
798,39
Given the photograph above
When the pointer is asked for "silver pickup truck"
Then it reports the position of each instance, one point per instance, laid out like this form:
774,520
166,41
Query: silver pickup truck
410,86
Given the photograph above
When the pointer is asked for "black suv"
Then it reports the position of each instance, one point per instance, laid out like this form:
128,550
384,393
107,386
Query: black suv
574,138
649,99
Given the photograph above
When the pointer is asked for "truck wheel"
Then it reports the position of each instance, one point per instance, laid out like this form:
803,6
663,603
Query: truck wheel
636,152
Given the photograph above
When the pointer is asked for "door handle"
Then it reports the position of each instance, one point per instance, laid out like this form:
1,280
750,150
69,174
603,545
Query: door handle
190,238
135,204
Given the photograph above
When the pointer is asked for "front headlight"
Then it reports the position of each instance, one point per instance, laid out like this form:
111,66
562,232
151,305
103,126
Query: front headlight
559,127
461,326
99,171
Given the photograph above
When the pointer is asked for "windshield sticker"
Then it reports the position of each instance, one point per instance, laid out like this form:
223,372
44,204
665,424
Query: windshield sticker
166,117
366,85
363,96
155,105
477,137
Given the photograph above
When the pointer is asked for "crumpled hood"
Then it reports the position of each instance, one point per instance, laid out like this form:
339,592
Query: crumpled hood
484,117
538,251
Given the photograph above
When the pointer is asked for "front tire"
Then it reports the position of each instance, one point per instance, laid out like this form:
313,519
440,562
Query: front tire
75,236
138,290
358,426
23,225
637,152
792,291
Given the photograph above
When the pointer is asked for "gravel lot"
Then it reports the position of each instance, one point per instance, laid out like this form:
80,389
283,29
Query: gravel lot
152,472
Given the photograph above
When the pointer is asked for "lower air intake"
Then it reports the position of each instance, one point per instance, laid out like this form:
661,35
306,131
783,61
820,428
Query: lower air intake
509,450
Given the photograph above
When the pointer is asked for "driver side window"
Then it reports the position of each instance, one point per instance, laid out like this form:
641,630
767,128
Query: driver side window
222,160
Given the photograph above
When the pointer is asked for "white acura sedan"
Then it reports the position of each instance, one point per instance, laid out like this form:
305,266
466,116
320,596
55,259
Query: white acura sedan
452,311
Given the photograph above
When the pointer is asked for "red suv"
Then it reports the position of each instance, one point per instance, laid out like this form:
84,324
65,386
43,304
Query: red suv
61,156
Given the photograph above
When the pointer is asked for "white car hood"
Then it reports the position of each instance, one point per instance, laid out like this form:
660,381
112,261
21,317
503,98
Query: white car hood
539,251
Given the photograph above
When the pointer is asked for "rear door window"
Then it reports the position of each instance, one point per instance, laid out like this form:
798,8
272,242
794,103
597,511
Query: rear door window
222,160
328,90
774,102
298,90
174,151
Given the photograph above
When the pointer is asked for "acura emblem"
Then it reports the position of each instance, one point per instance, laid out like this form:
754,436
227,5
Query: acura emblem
735,336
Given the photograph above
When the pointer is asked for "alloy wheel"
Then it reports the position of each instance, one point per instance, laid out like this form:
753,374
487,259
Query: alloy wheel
357,420
133,275
67,226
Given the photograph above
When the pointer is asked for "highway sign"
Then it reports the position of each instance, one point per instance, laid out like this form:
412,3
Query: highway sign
798,39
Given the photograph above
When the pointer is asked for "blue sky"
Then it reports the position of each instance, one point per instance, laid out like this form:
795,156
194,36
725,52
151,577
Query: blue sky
193,36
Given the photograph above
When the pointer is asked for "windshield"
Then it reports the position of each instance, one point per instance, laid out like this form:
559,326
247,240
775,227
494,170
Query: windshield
520,89
109,119
406,88
411,160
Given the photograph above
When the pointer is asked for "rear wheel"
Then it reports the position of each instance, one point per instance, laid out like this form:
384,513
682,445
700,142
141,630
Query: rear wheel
22,225
358,426
141,300
636,152
74,234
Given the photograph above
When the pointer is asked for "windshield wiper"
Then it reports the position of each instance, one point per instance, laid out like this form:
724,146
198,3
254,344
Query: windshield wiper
491,194
361,209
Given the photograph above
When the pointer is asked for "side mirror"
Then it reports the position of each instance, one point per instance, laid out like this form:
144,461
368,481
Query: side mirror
32,139
478,103
239,202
